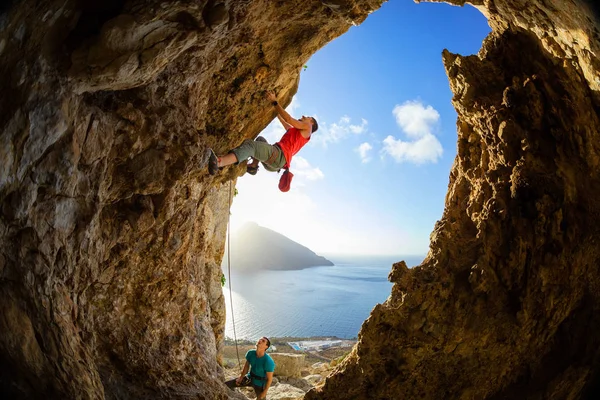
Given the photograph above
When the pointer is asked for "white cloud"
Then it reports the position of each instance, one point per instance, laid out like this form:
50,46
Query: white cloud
425,149
363,151
333,133
414,119
302,169
358,129
417,122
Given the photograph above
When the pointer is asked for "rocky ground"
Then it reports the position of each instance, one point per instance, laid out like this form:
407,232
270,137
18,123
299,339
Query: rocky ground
315,367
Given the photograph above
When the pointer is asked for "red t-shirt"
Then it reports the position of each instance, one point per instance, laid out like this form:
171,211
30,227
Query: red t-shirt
291,143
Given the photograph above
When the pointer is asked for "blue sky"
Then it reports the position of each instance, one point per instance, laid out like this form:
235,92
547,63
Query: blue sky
373,178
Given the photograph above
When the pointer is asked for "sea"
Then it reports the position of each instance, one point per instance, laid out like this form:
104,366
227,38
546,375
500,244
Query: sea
317,301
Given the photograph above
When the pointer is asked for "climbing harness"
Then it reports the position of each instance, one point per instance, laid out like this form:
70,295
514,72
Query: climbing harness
237,352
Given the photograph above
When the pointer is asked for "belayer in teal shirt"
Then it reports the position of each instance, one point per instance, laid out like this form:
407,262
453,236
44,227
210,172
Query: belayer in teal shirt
258,370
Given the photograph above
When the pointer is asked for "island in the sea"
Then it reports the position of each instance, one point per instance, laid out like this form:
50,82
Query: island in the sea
254,247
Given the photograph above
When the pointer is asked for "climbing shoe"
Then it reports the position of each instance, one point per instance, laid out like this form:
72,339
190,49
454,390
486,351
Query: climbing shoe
213,163
251,170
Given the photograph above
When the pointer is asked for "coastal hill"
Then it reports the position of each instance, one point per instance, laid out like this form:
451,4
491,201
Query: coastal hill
254,247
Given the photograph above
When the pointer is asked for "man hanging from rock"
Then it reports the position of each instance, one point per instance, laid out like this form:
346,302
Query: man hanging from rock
273,157
261,367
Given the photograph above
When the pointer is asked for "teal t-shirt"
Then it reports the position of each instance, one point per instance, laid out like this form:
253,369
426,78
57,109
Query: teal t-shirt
260,366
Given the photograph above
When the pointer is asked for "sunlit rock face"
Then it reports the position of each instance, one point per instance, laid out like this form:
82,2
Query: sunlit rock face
505,306
111,231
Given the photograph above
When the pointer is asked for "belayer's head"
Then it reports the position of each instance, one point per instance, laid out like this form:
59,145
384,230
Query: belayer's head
263,343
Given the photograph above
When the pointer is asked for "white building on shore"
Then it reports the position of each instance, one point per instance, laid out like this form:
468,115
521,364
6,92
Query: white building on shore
315,345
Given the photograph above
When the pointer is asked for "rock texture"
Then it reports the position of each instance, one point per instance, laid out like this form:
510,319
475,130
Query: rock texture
111,232
505,306
288,364
284,391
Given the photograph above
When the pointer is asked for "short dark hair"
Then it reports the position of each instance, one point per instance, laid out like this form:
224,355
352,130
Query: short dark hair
315,125
268,341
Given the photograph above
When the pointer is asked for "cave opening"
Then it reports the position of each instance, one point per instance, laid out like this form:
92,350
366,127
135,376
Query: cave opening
368,187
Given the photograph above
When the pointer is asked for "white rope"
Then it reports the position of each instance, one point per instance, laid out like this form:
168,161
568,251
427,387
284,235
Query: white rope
229,276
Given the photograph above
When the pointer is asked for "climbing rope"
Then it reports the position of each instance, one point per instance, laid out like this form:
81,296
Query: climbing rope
229,276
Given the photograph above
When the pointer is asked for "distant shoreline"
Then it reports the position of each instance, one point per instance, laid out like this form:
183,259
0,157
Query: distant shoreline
314,348
284,339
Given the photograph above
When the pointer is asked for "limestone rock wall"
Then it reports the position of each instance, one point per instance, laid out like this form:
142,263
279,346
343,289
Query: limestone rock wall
505,306
111,231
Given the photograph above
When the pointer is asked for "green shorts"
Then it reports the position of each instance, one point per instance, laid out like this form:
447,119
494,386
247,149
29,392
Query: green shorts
260,150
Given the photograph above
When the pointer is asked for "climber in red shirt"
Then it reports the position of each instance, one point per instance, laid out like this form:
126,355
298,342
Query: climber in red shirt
274,157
